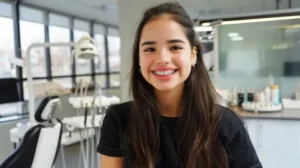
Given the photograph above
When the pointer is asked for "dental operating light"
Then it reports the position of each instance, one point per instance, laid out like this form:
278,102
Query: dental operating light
85,48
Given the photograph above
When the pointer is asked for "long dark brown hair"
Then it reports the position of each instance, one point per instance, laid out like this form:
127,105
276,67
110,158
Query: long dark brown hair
197,129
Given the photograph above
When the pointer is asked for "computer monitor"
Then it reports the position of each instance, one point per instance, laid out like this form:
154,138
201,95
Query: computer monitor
9,91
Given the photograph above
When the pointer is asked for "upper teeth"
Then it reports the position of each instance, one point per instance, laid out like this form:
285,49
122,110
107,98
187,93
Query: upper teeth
164,72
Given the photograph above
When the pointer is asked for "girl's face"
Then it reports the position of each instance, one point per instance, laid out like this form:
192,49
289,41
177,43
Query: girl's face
165,54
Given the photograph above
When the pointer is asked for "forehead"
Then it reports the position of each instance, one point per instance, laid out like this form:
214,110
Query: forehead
162,28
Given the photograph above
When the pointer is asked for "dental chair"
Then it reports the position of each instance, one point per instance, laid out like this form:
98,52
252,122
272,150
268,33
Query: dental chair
40,144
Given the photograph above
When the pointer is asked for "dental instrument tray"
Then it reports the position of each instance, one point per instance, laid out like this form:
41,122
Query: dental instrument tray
91,101
84,122
262,107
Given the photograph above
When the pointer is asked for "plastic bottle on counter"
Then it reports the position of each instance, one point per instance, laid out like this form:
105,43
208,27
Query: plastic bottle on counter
267,94
297,94
240,98
262,98
250,95
275,94
257,97
234,97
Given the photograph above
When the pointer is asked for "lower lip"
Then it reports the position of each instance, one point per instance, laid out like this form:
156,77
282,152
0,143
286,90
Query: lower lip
163,77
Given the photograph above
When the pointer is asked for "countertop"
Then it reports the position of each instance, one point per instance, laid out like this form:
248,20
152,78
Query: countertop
286,114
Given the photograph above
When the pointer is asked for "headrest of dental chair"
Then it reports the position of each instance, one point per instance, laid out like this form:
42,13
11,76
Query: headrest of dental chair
45,110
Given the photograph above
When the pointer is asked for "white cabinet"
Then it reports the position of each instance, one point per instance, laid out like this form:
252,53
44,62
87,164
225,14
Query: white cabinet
277,142
280,143
252,128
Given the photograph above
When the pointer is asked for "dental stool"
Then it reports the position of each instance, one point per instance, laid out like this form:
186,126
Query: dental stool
40,144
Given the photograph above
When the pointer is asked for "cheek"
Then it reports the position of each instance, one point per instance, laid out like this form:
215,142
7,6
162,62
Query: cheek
144,62
183,61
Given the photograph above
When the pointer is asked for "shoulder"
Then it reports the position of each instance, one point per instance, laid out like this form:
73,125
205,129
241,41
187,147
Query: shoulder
121,107
119,110
230,123
118,113
236,140
113,128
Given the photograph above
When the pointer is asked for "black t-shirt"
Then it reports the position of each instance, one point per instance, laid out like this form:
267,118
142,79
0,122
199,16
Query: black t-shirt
240,151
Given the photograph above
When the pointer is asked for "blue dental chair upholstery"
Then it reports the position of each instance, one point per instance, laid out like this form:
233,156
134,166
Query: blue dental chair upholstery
40,144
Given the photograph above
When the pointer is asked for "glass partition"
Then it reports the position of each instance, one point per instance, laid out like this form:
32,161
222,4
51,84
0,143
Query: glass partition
250,54
7,48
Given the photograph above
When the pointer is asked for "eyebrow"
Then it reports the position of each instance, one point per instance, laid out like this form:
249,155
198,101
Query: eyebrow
169,41
176,41
148,43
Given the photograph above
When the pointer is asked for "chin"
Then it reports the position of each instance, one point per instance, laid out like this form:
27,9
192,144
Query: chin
164,87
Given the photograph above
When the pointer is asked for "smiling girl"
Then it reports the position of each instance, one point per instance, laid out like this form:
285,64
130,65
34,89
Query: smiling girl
173,120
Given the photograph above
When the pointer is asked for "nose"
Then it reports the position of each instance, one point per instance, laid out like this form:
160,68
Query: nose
163,57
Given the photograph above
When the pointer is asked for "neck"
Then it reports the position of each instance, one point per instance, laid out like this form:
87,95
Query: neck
169,101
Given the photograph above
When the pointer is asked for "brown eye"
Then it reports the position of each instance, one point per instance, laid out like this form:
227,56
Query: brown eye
176,48
149,50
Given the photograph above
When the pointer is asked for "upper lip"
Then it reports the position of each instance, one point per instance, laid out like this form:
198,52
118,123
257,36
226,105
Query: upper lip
164,69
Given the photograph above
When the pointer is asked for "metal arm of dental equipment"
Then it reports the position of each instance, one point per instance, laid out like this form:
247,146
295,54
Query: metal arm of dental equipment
83,93
76,93
95,109
77,88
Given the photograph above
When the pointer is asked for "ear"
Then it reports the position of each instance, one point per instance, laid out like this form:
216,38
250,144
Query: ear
194,56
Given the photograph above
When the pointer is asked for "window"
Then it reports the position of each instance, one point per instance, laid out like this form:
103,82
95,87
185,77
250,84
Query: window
114,80
37,87
31,14
6,48
100,61
5,10
7,52
114,46
295,4
60,56
59,31
33,29
101,80
30,33
85,79
64,82
59,20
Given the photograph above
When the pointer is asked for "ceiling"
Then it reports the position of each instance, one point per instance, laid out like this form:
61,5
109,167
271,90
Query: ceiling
276,32
106,11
